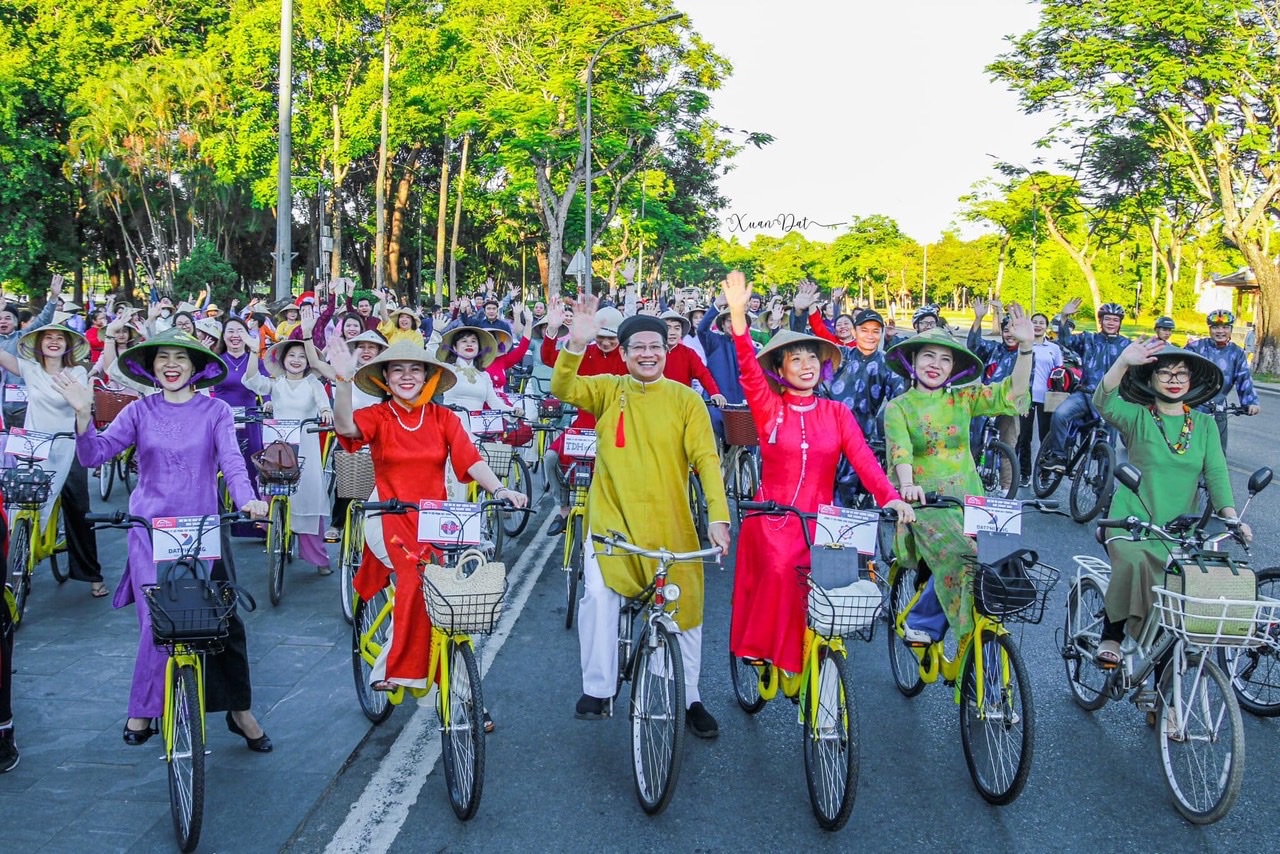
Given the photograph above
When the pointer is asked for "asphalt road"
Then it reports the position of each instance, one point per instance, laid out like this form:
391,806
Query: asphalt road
553,783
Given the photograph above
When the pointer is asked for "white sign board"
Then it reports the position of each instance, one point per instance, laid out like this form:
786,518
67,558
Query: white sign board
580,443
173,537
853,529
983,513
448,522
29,444
487,421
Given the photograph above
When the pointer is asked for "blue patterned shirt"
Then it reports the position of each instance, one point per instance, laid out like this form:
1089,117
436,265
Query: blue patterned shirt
995,355
1235,372
1097,353
865,384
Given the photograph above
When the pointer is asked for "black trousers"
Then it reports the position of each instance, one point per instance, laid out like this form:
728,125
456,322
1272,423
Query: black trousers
6,664
1041,419
227,683
82,542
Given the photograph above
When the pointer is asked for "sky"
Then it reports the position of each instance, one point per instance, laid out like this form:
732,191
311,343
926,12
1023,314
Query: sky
877,108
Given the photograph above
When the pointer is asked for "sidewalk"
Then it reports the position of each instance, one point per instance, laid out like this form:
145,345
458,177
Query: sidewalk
79,788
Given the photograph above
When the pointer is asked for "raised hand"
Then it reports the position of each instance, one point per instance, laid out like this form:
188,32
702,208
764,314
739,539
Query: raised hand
1020,326
1071,307
1141,352
55,286
583,329
307,315
339,357
979,308
555,318
806,296
79,396
736,291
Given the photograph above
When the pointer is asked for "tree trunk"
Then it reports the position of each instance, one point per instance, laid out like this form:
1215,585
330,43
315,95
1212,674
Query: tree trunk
1004,254
440,221
544,276
335,199
397,217
1081,258
1268,314
457,216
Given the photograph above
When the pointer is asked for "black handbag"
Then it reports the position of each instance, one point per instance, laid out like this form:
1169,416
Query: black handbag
1002,586
187,605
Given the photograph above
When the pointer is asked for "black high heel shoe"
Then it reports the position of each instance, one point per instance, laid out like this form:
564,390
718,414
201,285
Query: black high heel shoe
135,737
261,744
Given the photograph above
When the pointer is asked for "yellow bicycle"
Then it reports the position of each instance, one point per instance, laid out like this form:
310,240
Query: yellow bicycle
992,689
187,634
455,616
580,450
824,687
26,487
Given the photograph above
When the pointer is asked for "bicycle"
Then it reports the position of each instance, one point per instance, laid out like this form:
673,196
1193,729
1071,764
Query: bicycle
276,489
455,616
508,465
27,487
649,658
354,481
188,635
1193,705
998,467
1223,410
824,687
108,401
1091,464
992,689
739,459
580,449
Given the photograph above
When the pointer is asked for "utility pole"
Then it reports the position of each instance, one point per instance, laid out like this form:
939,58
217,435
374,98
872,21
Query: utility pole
284,187
380,243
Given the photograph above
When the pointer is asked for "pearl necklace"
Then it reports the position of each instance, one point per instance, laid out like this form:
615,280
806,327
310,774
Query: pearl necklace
422,416
804,445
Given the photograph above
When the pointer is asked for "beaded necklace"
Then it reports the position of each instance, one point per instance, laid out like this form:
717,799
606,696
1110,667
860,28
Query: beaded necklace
1184,436
422,415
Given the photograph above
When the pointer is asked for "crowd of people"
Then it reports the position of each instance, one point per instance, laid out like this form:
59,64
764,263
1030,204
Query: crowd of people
845,407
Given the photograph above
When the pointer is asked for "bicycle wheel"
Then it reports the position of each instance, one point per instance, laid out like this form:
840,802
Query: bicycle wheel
61,570
831,741
746,684
518,480
19,577
106,477
370,639
998,463
462,737
698,506
350,553
573,571
186,763
902,661
657,717
1204,761
276,547
998,729
1085,613
748,476
1255,673
1044,483
1091,486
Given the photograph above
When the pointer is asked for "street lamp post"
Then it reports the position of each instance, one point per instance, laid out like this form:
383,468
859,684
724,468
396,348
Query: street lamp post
284,185
591,66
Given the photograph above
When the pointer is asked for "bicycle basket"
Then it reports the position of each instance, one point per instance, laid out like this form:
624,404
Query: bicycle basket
848,611
498,456
1207,581
739,428
467,597
187,607
278,462
1218,622
577,483
26,485
1014,588
353,473
108,402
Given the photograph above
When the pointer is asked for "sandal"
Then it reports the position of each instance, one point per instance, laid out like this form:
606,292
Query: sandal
332,535
488,723
386,686
99,590
324,570
1108,655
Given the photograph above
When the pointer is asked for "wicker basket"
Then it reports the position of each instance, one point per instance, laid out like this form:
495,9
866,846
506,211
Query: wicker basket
498,456
353,473
108,402
467,597
739,428
1054,399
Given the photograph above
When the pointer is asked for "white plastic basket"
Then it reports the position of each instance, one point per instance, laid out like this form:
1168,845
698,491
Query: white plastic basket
1218,622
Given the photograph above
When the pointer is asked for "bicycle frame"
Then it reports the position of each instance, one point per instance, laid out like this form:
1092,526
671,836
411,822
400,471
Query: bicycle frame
181,656
933,658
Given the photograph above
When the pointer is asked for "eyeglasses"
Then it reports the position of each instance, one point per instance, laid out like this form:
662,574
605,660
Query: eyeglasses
1173,376
928,323
640,349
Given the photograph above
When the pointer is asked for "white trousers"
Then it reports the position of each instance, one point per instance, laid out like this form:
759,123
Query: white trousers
598,637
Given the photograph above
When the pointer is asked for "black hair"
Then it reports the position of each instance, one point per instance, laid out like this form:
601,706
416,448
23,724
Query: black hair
780,355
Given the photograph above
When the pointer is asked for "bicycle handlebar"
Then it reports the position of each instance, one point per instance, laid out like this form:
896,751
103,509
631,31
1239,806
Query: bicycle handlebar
615,540
123,519
396,507
1136,526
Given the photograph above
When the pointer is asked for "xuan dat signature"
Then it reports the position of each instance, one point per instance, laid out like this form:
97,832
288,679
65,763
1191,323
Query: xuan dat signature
784,221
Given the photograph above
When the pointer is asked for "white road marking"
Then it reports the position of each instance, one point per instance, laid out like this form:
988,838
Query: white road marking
375,819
